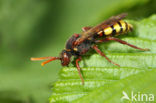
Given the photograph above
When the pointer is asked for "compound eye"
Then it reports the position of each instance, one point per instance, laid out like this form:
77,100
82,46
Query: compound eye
65,57
65,60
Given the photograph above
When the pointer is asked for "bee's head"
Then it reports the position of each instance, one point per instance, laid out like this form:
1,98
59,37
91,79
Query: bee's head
65,57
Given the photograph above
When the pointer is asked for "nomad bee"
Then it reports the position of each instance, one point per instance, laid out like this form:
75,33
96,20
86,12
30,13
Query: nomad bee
78,44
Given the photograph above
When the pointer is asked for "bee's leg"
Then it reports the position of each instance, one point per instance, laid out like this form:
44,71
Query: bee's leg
95,47
100,41
122,42
86,28
79,70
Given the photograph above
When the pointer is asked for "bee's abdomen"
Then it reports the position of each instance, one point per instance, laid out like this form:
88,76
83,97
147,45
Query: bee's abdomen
119,27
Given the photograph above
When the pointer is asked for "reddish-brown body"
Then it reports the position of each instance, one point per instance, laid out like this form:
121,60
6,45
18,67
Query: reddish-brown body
78,44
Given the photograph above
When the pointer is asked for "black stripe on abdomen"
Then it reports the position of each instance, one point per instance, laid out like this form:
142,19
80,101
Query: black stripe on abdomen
113,30
126,26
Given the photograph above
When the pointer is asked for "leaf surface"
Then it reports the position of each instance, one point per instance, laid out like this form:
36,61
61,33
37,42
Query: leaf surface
103,80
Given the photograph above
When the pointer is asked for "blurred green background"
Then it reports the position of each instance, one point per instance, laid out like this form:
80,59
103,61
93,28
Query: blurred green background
37,28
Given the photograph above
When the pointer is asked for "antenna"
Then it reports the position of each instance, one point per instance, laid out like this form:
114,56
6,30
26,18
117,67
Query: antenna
49,59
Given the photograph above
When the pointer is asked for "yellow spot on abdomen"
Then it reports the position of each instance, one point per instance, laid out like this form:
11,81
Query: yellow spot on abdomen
117,27
108,31
123,24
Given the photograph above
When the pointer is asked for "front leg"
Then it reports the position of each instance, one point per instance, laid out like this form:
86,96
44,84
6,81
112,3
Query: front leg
122,42
79,70
95,47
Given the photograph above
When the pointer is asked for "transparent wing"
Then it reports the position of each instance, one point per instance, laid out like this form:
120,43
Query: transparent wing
91,32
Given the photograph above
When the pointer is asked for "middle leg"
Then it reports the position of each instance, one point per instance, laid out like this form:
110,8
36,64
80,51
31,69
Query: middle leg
95,47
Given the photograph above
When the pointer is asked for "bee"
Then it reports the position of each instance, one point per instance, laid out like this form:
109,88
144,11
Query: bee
79,44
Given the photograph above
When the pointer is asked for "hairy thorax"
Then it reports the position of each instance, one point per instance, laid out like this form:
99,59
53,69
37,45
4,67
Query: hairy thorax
79,49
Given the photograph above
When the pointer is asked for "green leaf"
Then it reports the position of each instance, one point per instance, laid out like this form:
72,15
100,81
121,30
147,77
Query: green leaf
142,83
98,72
35,28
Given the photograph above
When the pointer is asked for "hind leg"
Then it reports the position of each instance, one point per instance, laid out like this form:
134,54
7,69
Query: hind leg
122,42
